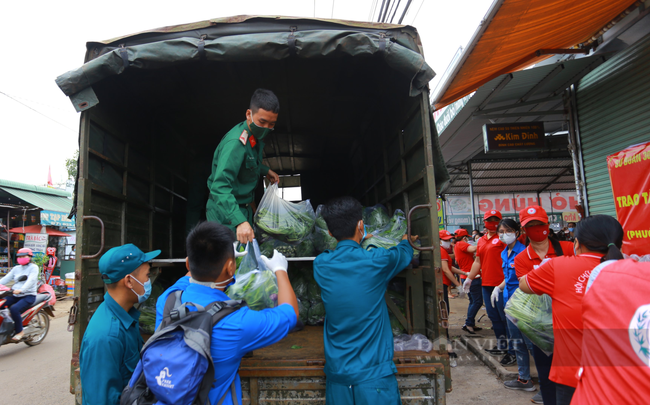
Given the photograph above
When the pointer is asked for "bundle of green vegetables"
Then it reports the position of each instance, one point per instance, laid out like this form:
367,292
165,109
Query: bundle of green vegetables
322,239
283,220
375,218
148,308
310,304
533,315
398,299
254,282
390,235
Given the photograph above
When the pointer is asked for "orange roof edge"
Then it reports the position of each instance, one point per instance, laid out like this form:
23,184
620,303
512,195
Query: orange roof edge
516,34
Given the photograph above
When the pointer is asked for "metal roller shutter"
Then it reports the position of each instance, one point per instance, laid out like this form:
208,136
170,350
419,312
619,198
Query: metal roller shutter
613,105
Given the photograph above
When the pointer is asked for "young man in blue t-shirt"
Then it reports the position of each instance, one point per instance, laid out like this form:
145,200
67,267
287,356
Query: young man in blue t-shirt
211,262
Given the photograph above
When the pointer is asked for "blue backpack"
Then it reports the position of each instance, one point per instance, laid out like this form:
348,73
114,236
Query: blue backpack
176,365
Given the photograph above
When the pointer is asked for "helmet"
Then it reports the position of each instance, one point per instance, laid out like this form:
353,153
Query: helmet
25,252
51,251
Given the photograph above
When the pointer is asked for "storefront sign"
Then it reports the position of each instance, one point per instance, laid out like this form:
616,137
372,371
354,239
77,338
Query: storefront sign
441,217
515,136
36,241
570,217
457,220
559,202
54,218
629,173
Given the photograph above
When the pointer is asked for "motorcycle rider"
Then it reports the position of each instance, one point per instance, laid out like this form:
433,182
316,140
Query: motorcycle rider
24,292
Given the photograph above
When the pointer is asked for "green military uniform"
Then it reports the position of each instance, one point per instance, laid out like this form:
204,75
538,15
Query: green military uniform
236,169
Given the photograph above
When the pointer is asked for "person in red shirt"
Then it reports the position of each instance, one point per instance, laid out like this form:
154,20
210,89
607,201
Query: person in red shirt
614,366
488,262
448,278
542,246
464,252
565,279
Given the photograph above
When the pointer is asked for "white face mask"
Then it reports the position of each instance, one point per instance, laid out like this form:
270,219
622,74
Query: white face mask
445,244
508,237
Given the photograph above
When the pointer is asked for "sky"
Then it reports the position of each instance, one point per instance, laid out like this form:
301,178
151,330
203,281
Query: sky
41,40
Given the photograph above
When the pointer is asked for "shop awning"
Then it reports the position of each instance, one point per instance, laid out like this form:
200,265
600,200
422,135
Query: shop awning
38,229
42,197
519,33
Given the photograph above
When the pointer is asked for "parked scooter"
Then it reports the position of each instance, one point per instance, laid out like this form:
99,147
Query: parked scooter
36,319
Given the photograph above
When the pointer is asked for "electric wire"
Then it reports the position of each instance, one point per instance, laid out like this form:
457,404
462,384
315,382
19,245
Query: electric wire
395,11
406,9
416,14
38,112
373,9
332,15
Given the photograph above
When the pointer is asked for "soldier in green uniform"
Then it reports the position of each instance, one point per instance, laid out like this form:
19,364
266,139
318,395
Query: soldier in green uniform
237,167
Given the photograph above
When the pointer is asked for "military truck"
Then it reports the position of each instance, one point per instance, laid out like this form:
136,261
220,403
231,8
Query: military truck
354,119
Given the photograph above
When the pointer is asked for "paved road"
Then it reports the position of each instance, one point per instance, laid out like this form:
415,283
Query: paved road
39,374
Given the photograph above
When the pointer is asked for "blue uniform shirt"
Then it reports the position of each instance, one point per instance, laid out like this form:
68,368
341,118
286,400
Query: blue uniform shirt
357,335
508,265
109,352
236,334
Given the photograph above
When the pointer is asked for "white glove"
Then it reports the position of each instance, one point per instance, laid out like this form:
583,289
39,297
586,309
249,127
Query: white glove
238,254
466,285
494,298
277,263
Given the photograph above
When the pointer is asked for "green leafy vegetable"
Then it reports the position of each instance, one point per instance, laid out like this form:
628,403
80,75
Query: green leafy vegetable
285,221
322,239
316,315
533,315
375,218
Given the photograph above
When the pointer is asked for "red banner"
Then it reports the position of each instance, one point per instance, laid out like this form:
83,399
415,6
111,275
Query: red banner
629,173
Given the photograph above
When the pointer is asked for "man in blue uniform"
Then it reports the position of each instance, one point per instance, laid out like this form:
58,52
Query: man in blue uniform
357,334
211,262
111,345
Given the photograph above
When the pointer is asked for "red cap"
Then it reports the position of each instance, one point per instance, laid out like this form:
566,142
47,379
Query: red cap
533,213
445,235
461,232
492,213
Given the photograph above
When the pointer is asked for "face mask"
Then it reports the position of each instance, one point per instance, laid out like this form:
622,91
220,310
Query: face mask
445,244
491,226
147,290
508,237
537,233
257,131
570,229
23,260
365,233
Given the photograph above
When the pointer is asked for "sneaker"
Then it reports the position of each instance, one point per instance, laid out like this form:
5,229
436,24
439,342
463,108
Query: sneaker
508,360
537,399
522,385
453,362
468,329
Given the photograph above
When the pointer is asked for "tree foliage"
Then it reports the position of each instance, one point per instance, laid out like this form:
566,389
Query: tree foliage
71,165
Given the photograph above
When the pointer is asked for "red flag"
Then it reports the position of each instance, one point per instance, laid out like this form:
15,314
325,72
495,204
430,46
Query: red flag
49,177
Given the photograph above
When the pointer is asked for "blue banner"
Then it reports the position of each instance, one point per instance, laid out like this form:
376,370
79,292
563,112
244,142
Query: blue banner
56,219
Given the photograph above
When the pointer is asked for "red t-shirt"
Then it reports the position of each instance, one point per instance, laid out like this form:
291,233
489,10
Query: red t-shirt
444,256
614,366
489,250
464,258
528,260
565,280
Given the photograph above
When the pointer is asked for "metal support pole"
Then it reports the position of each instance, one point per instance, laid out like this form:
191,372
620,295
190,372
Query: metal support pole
471,194
575,147
8,239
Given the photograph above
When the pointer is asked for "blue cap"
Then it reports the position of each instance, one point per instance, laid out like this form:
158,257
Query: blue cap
121,261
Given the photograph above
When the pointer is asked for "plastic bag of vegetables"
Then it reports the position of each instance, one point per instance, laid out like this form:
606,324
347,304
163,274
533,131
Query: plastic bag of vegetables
390,235
322,239
375,217
316,314
283,220
533,315
303,310
255,283
266,248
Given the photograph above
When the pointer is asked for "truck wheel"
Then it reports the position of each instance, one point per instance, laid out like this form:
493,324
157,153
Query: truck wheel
41,323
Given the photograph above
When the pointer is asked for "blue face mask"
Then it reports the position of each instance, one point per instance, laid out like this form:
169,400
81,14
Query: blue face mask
365,233
570,229
147,290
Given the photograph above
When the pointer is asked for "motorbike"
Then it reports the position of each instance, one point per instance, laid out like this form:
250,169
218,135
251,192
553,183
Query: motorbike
36,319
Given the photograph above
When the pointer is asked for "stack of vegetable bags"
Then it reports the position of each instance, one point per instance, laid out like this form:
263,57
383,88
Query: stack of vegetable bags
311,308
533,315
322,239
254,282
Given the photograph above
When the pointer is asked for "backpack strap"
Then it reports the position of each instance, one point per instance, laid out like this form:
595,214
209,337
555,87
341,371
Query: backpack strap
233,395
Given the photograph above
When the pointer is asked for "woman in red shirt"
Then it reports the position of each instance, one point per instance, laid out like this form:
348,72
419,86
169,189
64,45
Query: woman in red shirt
565,280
